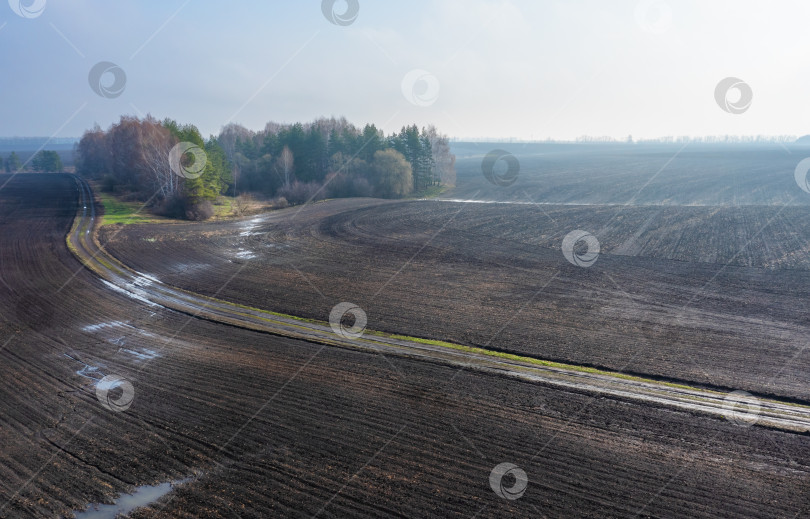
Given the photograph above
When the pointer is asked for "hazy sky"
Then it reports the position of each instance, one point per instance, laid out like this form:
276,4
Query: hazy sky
498,68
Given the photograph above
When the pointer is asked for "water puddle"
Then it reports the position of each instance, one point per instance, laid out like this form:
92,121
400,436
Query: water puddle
188,268
144,354
112,330
103,326
87,371
142,496
133,292
248,227
144,280
245,254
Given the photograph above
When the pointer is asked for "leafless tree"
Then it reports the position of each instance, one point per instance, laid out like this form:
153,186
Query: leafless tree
230,135
285,164
156,142
444,161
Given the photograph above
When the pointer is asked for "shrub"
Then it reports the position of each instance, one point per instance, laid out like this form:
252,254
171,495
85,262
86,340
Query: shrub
302,192
341,185
361,187
181,207
172,207
200,211
242,204
338,185
392,174
279,202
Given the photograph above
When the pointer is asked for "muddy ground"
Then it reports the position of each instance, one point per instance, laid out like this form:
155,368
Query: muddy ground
273,427
706,295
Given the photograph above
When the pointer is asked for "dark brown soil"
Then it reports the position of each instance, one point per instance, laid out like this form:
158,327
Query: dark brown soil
666,298
274,427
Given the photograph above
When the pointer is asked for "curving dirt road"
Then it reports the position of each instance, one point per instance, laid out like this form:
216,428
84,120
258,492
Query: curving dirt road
493,276
152,291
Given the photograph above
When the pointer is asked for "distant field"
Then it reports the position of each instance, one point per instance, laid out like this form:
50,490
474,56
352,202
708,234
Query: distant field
637,174
25,148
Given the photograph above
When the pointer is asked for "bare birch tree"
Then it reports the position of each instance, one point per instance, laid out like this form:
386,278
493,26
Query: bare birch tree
285,164
443,161
156,143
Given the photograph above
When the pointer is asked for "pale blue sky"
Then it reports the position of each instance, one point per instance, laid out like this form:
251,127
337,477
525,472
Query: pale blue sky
504,68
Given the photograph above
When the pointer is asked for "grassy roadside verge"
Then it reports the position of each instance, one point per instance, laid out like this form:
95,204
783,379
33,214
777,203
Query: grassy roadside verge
119,212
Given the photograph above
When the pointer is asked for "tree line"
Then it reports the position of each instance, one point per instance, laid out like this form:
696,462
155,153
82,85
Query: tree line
44,161
299,162
338,158
132,157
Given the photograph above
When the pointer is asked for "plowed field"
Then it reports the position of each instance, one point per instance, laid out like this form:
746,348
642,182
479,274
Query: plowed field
269,427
